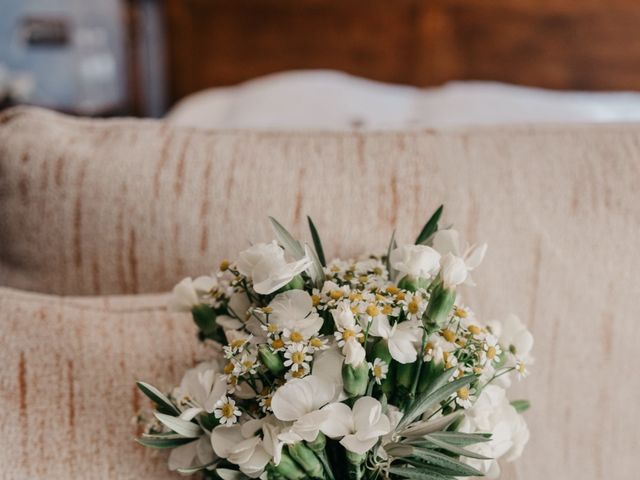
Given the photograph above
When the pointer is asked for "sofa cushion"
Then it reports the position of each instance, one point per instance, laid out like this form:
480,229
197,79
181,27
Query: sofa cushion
68,396
116,206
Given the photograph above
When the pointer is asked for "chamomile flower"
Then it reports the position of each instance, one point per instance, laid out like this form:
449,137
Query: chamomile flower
521,370
414,304
317,344
276,343
465,397
294,336
379,370
491,349
297,356
271,329
248,363
264,401
302,372
226,411
236,345
433,349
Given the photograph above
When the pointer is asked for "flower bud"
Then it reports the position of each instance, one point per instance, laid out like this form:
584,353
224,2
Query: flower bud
271,359
413,284
440,305
355,379
296,283
319,443
289,469
305,457
205,318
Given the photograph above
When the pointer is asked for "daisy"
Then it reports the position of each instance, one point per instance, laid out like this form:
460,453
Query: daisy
317,344
379,369
248,363
414,305
297,357
465,397
276,343
236,345
226,411
300,373
490,349
521,370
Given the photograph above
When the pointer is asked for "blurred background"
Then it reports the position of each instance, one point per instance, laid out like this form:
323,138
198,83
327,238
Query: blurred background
352,64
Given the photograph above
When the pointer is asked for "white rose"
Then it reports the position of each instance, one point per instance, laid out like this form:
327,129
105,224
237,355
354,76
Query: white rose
266,266
415,260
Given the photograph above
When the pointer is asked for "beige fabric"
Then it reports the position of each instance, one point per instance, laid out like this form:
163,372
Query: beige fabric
124,206
68,376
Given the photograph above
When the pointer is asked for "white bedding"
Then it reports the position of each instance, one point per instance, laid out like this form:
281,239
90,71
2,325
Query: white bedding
325,99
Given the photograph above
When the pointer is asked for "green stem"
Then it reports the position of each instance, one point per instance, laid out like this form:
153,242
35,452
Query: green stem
420,362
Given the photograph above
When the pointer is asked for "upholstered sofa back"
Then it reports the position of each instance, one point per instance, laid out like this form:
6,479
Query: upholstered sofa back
128,206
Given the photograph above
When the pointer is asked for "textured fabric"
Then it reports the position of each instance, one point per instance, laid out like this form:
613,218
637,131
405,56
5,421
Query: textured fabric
130,206
68,396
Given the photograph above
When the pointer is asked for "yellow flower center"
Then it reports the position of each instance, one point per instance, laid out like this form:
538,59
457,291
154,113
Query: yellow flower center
355,297
413,307
227,410
392,289
315,300
463,393
373,310
474,329
336,294
377,371
491,353
297,357
271,328
315,342
296,337
461,341
460,312
224,265
228,368
298,374
247,364
400,296
267,402
363,279
277,343
348,334
387,310
448,335
237,343
428,347
267,310
377,271
522,368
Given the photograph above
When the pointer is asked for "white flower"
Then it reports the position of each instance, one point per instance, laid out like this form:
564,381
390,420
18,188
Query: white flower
192,454
240,445
266,266
201,387
465,397
226,411
515,337
188,293
328,365
415,260
360,428
293,311
379,370
490,349
299,401
297,357
348,334
455,265
435,348
492,413
401,338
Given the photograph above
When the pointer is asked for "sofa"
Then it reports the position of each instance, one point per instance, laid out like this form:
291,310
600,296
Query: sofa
100,218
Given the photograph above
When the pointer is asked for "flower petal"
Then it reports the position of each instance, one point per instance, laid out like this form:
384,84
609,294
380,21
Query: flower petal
339,422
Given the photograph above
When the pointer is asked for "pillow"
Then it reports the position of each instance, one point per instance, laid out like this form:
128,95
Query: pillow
68,396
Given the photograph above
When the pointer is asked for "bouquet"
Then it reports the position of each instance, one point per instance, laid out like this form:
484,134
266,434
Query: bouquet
365,369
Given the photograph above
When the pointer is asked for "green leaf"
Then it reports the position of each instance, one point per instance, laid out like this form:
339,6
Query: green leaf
316,242
180,426
521,405
461,439
315,270
392,246
192,470
429,399
440,381
418,473
454,448
430,227
424,427
285,239
452,466
157,397
165,441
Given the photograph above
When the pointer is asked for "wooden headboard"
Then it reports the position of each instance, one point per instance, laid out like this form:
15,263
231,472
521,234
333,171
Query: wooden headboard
563,44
